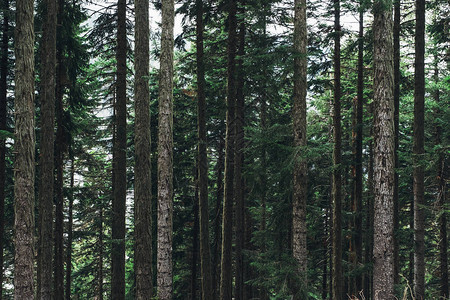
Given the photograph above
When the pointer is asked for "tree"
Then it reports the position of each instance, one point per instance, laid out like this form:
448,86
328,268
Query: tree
142,170
165,154
205,256
47,97
418,152
383,165
24,147
299,119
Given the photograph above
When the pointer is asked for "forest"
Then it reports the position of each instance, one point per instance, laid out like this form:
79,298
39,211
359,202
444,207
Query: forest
230,149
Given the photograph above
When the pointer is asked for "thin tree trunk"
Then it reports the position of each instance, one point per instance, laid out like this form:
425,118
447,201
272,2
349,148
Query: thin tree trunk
418,152
195,246
48,83
368,278
383,164
227,220
70,233
143,191
337,281
3,115
239,159
24,145
205,254
396,132
100,257
165,155
300,167
120,177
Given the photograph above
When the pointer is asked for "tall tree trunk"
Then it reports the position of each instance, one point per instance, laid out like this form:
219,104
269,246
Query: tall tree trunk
165,154
227,220
396,132
24,145
3,115
100,257
70,233
120,176
48,83
195,246
383,271
239,159
299,119
337,281
142,169
418,152
205,255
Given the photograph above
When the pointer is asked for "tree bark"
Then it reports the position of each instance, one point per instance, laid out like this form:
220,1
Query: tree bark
299,121
383,271
48,84
337,275
142,169
418,152
165,154
227,219
70,233
120,176
24,145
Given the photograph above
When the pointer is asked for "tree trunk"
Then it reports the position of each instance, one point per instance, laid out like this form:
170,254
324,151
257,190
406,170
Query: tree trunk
299,119
24,145
418,152
48,83
195,246
383,271
205,254
165,154
120,176
227,220
100,257
142,169
3,115
337,180
396,132
70,233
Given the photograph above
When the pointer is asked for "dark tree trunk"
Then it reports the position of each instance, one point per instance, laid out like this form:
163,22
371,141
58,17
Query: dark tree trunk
48,83
383,272
299,119
165,154
24,145
195,246
205,254
70,233
119,160
337,280
100,257
227,220
142,181
418,152
3,115
239,160
396,132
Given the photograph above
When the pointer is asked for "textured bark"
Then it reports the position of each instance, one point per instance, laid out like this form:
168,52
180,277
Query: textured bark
142,169
396,131
299,119
239,160
383,182
205,254
418,152
70,233
48,83
24,145
337,276
165,154
3,115
119,159
227,219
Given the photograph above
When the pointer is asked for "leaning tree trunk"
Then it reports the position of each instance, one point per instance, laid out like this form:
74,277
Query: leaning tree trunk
418,152
24,144
383,271
48,84
165,155
299,119
227,220
142,169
